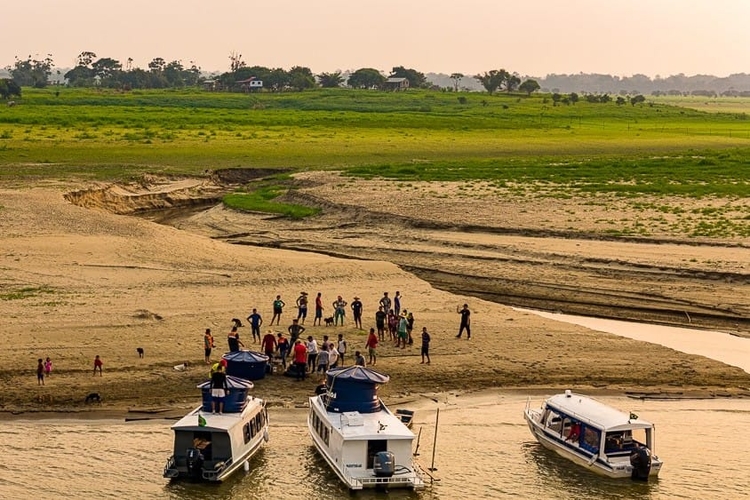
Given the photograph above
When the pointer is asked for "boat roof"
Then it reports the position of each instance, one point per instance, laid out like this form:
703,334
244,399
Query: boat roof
215,422
232,382
364,426
358,374
595,413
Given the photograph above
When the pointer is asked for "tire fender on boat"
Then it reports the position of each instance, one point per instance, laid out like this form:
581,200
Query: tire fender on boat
265,435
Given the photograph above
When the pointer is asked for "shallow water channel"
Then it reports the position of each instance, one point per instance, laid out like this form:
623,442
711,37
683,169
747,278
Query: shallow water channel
484,450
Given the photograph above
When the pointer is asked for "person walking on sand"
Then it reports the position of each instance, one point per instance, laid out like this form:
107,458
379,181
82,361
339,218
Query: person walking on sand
208,344
47,367
278,308
256,321
356,306
98,365
425,345
372,346
318,309
40,372
339,310
302,307
465,321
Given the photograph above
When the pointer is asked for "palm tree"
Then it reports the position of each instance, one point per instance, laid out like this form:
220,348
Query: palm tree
330,80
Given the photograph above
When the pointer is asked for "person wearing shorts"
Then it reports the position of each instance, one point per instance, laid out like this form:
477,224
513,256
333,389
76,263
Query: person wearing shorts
278,308
372,346
208,344
318,309
219,389
425,345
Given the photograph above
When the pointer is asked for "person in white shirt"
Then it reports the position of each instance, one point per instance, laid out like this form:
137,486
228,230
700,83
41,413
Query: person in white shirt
312,354
333,356
342,349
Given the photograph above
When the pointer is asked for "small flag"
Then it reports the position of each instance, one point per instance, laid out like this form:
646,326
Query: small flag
633,416
201,421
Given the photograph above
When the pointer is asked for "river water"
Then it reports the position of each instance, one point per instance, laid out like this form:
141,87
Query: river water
484,450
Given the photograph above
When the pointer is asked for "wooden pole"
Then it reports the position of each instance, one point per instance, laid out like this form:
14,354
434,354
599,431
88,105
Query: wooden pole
434,440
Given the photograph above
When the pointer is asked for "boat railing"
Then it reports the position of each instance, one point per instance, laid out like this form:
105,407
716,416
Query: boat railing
413,478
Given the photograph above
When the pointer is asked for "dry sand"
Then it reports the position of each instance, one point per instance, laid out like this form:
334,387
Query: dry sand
77,282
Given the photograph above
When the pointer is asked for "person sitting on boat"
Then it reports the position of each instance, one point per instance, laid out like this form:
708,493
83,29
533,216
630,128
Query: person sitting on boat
574,432
321,388
219,389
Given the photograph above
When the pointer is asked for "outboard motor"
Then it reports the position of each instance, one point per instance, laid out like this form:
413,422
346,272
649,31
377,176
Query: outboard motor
384,464
640,459
195,463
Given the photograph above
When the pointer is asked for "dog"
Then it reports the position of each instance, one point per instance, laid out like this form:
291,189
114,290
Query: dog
329,321
93,397
140,352
237,322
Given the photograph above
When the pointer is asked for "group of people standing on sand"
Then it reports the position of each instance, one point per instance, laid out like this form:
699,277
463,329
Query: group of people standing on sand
44,368
390,317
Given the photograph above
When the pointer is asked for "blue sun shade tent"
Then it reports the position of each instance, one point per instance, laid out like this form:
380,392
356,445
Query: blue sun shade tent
246,364
354,388
234,401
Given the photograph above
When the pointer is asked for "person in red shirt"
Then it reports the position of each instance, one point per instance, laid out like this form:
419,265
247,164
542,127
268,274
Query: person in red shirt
269,344
372,346
300,359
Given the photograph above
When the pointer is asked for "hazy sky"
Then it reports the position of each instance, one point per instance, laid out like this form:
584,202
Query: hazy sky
619,37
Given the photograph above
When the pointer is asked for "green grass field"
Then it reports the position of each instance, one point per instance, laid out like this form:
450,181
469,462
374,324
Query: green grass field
107,135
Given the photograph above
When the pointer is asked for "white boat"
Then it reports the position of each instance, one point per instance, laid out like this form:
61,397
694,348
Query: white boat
365,444
210,447
595,436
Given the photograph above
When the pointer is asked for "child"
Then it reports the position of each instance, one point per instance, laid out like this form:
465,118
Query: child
40,373
97,365
48,366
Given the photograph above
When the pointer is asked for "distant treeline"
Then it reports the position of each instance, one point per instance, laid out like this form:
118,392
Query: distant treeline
93,71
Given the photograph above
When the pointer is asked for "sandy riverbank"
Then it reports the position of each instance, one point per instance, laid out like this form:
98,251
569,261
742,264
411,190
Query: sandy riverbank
78,282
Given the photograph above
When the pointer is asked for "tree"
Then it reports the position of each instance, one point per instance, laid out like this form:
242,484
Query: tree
85,59
80,76
456,77
366,78
32,72
157,65
105,67
529,86
235,61
301,78
556,98
493,79
620,101
9,88
637,99
511,82
416,79
330,80
573,97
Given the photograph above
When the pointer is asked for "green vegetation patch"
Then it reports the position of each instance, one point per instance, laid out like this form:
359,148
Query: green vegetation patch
691,173
262,199
25,293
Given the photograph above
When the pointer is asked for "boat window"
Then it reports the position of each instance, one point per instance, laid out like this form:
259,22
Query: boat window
325,435
554,421
247,432
590,439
